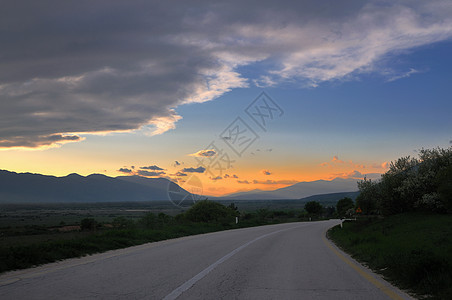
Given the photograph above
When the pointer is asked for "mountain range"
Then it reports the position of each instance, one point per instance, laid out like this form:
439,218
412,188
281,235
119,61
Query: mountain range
27,187
32,188
299,190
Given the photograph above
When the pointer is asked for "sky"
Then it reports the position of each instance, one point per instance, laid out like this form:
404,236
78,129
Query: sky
241,95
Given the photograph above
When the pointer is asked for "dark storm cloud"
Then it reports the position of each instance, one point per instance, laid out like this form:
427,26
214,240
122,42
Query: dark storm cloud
69,68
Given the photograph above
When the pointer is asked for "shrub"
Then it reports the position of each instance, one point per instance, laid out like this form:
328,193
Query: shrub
209,211
88,224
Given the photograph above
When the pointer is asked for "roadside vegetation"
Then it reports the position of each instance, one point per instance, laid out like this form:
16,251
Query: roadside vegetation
404,230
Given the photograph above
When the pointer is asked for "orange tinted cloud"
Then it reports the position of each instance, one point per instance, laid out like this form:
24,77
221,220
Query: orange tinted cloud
266,172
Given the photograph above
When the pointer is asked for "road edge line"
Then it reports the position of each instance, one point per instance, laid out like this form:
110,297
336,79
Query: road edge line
380,283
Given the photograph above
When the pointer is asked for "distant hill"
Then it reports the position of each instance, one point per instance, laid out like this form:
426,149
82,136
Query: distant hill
332,197
298,190
28,187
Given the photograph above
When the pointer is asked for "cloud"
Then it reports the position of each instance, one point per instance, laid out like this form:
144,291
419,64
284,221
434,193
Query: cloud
243,181
336,159
204,153
405,75
271,182
154,167
125,170
194,170
176,163
180,174
41,141
358,175
103,67
216,178
230,176
266,172
355,174
149,173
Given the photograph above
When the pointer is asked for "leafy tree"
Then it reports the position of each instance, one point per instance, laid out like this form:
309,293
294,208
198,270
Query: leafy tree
422,183
233,207
369,196
88,224
329,211
313,208
444,181
343,205
210,211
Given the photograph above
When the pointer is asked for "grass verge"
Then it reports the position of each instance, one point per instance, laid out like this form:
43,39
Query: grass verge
414,251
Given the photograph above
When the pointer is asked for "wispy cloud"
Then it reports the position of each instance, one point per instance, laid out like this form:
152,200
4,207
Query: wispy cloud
273,182
403,75
335,162
204,153
357,175
336,159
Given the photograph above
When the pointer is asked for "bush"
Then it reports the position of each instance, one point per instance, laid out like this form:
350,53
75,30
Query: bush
122,222
88,224
209,211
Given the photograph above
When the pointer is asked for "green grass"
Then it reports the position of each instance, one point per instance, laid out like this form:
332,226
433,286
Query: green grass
26,255
28,247
414,251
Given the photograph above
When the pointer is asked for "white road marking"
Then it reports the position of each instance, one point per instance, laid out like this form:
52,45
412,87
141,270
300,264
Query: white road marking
189,283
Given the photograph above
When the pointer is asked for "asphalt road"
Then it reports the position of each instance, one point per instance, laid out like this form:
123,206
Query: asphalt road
286,261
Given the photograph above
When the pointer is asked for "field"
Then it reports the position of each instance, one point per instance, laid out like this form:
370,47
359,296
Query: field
32,234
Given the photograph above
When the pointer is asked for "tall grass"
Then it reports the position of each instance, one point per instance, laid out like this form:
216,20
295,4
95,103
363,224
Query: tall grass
412,250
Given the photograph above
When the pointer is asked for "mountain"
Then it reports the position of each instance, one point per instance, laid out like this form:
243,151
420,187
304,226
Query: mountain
298,190
332,197
28,187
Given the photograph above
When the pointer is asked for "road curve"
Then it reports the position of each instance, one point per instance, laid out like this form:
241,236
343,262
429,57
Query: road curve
285,261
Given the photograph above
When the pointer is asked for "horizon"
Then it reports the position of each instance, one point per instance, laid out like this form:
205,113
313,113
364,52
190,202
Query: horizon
242,96
203,195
